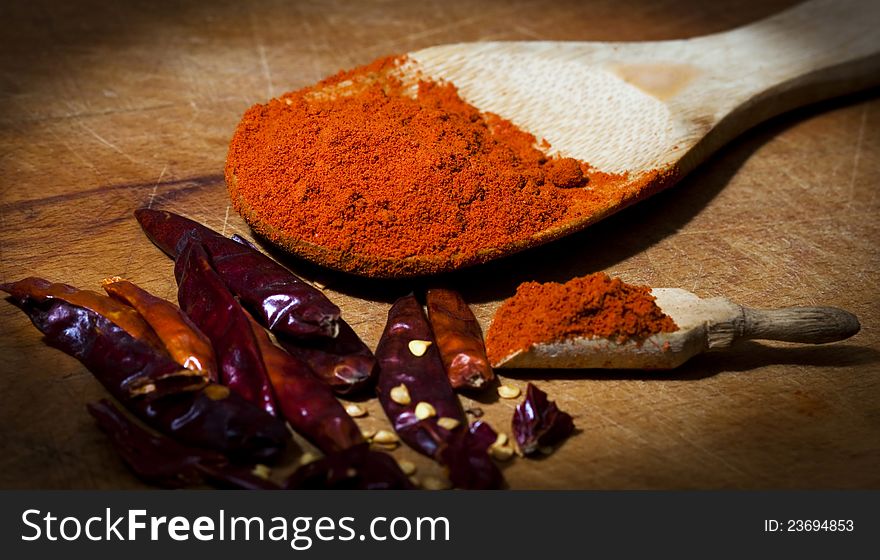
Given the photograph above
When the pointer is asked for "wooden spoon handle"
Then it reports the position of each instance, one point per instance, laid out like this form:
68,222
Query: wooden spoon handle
814,51
810,325
808,41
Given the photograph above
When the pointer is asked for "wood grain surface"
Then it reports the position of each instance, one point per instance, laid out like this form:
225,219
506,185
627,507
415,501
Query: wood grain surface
109,106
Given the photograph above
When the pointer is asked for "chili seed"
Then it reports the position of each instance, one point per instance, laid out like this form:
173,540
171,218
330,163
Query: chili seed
407,467
435,483
418,347
261,471
425,410
546,450
351,472
508,391
385,437
448,423
501,439
368,433
355,411
501,452
400,395
307,458
150,387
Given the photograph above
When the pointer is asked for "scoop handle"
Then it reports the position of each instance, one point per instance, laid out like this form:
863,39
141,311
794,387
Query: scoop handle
810,325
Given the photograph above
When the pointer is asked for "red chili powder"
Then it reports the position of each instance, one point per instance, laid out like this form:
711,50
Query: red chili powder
591,306
365,164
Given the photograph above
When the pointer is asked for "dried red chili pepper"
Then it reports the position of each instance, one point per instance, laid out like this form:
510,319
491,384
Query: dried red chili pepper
120,314
305,320
214,310
181,339
280,300
344,363
157,459
459,339
356,468
312,410
466,455
419,370
308,404
39,289
185,408
538,422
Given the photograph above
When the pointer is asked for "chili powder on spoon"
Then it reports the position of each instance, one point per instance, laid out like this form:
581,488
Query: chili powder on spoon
374,162
592,306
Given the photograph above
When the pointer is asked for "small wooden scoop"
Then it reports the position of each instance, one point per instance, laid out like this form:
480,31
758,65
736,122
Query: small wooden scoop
704,324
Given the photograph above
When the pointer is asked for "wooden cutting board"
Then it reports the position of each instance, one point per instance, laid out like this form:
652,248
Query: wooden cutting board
107,107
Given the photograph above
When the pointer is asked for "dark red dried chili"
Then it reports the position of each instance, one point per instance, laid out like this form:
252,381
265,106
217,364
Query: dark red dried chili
305,320
344,363
214,310
466,456
159,460
419,370
538,422
313,411
122,315
308,404
279,299
183,407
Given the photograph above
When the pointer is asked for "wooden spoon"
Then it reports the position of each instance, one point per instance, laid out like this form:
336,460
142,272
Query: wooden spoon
650,107
703,324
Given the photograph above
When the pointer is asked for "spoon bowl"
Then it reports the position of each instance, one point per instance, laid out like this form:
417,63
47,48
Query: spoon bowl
649,111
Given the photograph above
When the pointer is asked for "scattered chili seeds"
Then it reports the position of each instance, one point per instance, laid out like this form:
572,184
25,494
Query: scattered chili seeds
508,391
400,395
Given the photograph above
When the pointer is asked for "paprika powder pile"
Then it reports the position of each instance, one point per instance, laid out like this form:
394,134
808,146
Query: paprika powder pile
376,164
591,306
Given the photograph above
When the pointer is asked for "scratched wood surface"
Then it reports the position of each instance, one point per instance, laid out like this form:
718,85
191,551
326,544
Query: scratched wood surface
109,106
